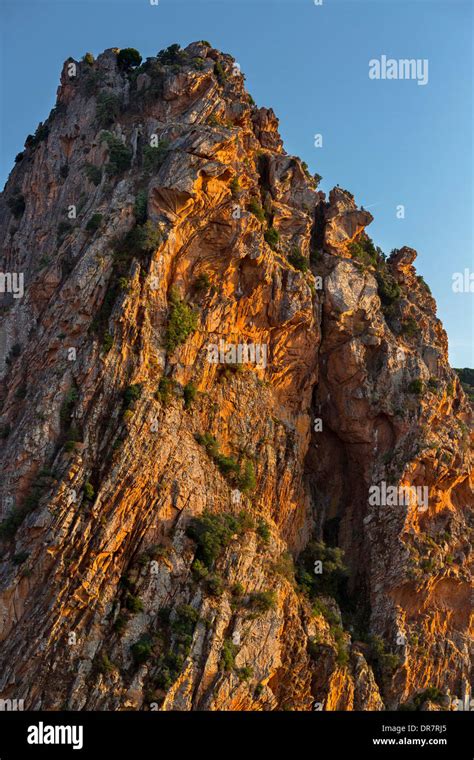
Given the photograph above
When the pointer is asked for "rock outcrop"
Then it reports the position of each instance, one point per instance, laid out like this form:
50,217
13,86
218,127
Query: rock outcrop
235,459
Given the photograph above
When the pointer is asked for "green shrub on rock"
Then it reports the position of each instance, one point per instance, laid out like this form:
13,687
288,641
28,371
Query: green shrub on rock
142,240
131,394
171,55
94,223
141,650
416,387
272,237
213,533
182,321
153,156
140,207
120,157
256,209
128,58
107,109
94,174
297,260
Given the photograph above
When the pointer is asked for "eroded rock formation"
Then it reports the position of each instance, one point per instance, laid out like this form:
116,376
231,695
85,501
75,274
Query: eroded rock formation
156,215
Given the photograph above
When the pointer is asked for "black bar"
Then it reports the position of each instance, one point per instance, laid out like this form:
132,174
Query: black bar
445,734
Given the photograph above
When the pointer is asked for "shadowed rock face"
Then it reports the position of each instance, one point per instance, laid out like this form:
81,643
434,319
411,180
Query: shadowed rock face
112,594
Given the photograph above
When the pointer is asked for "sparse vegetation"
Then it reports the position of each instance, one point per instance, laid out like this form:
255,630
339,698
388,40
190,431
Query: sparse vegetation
416,387
424,284
202,282
107,109
140,207
189,393
256,209
387,287
172,55
220,73
247,480
410,327
14,519
182,629
131,394
364,251
105,665
67,407
262,601
245,673
165,390
263,531
120,624
466,377
134,604
235,187
93,174
120,157
213,533
94,223
42,132
342,652
64,228
214,584
272,237
182,321
285,567
128,58
297,260
384,662
225,464
88,491
141,241
199,570
107,342
153,157
332,578
141,650
431,694
228,655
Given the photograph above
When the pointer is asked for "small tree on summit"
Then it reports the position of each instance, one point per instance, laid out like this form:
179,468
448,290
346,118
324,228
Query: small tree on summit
128,58
171,55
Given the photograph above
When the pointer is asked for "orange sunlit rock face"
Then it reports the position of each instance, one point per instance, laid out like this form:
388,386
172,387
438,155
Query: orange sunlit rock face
117,590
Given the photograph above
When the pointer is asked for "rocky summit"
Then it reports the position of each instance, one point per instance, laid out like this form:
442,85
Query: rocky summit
235,461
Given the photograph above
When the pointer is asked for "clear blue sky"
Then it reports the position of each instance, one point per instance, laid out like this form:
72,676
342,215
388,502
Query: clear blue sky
389,142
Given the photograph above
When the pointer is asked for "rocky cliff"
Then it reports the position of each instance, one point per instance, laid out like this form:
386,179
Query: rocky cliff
235,459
